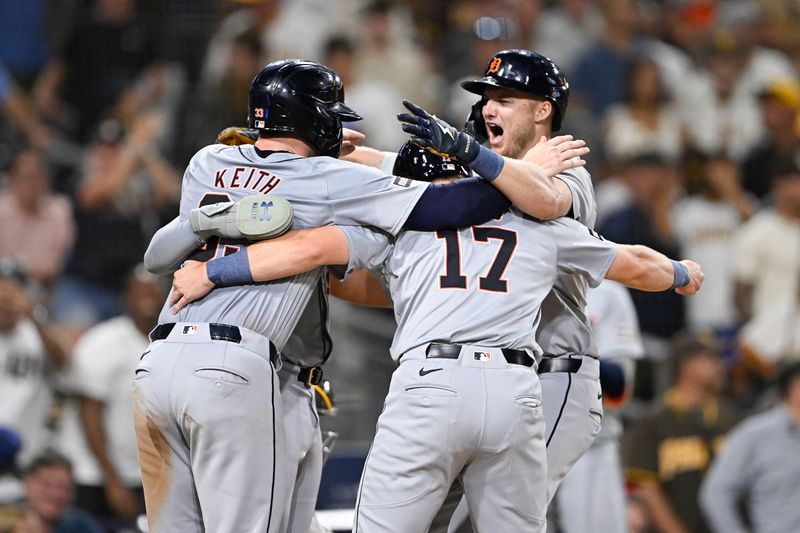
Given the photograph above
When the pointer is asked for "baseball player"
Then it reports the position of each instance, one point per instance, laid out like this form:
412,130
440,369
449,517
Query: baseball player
208,412
592,495
428,434
570,368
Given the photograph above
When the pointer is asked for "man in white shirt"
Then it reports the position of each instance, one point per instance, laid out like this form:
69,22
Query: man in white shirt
767,270
98,433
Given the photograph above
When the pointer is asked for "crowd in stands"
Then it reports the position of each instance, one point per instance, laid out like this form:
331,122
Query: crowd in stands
691,109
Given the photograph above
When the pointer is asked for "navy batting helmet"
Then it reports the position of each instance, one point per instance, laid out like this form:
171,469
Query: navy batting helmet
303,99
523,71
424,164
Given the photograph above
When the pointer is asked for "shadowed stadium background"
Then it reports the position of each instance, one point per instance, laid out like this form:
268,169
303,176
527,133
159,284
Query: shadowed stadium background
692,112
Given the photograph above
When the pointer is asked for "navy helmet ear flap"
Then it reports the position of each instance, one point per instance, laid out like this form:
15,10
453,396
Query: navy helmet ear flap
475,124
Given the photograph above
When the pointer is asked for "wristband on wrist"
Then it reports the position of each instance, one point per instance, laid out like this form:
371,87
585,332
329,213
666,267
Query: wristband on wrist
230,270
682,277
488,164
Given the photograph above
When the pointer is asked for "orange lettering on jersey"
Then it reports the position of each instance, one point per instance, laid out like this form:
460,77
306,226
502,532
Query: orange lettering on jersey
218,182
271,184
494,66
235,180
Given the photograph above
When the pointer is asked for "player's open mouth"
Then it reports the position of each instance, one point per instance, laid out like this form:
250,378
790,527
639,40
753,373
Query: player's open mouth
495,133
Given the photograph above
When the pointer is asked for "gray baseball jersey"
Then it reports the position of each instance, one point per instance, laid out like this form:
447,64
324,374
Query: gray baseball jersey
571,406
322,191
480,287
476,283
565,329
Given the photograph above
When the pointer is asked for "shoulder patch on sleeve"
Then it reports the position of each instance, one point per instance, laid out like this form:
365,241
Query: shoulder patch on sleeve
402,182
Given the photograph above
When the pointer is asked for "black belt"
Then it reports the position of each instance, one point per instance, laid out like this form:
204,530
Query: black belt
558,364
311,375
217,332
437,350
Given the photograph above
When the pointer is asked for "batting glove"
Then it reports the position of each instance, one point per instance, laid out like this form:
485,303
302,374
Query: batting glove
431,132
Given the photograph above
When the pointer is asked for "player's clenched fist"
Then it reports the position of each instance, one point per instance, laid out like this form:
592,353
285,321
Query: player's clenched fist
189,283
696,276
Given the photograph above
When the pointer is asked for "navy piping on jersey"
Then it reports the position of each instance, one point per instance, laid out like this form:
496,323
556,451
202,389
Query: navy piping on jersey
274,454
327,342
561,411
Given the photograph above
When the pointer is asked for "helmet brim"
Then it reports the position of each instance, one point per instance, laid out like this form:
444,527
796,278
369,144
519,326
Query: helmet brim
345,113
480,85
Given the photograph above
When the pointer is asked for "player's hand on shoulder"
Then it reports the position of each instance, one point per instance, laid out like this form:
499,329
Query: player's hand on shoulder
557,154
696,278
189,283
350,138
235,136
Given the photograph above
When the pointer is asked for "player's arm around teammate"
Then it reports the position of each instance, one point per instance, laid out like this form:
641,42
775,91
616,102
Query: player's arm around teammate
635,266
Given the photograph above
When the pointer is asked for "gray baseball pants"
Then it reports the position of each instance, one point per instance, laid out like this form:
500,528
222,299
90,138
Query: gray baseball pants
209,428
303,450
476,417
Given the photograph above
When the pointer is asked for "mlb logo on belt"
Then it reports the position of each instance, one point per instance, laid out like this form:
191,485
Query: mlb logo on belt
482,356
190,329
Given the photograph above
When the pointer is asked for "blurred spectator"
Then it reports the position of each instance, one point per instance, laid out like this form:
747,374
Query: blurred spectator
375,100
645,121
11,487
110,64
36,226
781,27
296,29
667,452
255,18
97,426
653,186
717,105
598,79
24,41
760,466
28,351
222,102
767,266
15,106
780,108
566,30
122,198
639,520
47,507
704,225
394,58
